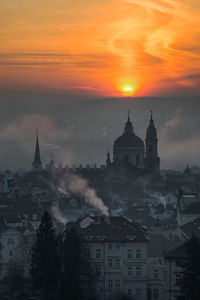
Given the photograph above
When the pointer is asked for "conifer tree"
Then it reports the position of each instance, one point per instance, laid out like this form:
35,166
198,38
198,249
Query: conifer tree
45,261
190,283
77,278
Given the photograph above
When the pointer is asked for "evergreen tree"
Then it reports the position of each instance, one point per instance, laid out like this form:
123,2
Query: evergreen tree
77,280
190,283
45,260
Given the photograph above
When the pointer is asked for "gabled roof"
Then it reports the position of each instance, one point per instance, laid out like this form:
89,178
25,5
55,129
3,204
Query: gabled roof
112,229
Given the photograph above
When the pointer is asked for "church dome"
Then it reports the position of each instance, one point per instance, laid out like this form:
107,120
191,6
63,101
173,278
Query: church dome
128,140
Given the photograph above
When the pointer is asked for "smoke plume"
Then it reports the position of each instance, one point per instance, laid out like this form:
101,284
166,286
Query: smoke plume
76,184
58,215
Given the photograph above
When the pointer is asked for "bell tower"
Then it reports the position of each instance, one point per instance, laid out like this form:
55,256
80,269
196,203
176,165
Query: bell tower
152,160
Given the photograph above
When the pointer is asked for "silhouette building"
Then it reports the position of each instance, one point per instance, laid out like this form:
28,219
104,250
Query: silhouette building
37,163
130,148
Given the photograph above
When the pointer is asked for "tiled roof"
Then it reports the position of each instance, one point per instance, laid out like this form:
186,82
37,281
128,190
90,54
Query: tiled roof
112,229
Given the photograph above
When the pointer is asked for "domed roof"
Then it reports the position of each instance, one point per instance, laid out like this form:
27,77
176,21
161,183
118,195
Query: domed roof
128,138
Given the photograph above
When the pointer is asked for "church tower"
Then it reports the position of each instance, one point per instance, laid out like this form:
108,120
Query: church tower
129,147
37,164
152,160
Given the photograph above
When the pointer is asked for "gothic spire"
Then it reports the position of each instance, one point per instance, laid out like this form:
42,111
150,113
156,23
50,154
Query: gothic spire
37,163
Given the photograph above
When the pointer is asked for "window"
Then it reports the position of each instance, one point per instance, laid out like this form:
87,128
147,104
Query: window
110,246
98,253
10,242
138,254
10,253
101,237
117,246
138,292
155,274
117,263
110,283
34,217
88,237
130,271
130,254
131,237
129,292
178,279
117,283
110,264
98,270
155,293
138,271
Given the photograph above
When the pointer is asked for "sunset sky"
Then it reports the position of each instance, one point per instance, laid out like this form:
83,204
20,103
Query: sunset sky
101,48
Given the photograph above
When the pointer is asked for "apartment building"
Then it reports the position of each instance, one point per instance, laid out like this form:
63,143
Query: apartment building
117,249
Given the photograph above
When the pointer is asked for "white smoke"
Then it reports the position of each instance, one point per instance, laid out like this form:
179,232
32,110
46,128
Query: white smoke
76,184
145,183
58,215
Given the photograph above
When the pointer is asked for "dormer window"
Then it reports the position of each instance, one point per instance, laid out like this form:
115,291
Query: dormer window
88,237
131,237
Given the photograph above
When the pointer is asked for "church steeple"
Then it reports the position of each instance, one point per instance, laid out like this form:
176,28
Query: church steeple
37,163
152,161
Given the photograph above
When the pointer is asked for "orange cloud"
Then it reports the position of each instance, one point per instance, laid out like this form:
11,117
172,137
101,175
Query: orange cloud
100,46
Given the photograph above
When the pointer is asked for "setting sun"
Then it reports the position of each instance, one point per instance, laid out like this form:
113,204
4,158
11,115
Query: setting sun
127,90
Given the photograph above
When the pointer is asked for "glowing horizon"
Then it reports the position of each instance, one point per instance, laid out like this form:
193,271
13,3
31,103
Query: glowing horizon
94,47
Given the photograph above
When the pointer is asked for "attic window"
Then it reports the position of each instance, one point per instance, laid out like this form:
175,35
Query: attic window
131,237
34,217
101,237
88,237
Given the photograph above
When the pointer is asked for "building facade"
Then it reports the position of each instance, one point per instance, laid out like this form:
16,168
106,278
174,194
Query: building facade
117,249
